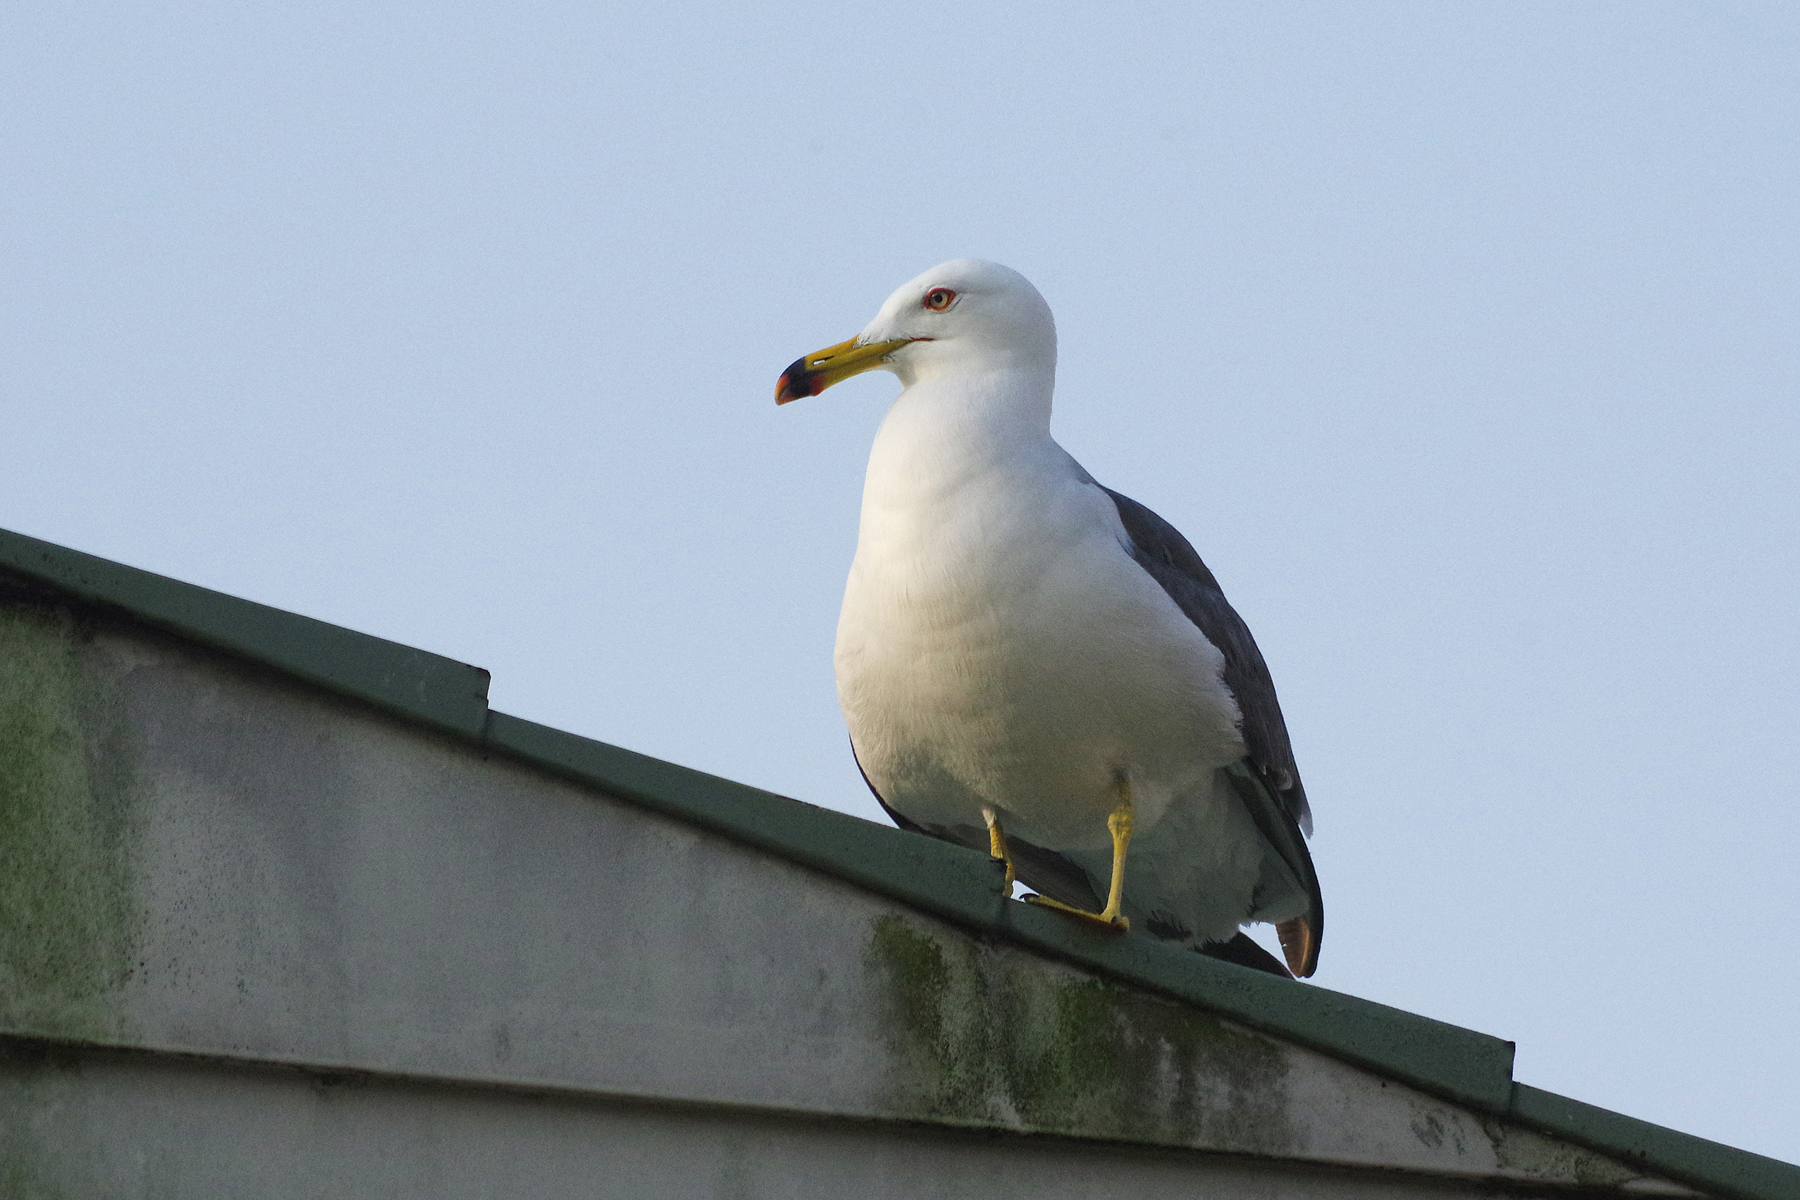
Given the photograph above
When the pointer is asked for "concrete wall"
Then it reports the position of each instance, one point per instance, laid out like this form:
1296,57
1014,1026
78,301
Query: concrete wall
341,956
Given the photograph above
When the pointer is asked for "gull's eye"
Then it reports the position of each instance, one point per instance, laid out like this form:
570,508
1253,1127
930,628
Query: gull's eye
938,299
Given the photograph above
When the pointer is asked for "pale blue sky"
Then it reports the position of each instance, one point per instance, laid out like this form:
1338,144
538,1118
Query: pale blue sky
1459,338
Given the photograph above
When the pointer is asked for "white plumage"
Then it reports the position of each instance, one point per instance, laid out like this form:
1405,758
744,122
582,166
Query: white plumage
1003,645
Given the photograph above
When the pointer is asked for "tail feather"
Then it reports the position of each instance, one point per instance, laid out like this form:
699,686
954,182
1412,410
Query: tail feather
1299,945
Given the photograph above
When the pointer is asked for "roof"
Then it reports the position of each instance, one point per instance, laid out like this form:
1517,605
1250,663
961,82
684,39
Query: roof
951,882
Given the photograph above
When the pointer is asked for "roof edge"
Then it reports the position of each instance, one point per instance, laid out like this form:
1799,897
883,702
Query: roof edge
1713,1166
416,683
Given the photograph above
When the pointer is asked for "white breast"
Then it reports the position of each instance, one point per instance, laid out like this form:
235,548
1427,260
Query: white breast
998,645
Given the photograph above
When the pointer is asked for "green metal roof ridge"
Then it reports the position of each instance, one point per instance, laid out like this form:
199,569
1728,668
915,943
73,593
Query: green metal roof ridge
429,687
958,884
1711,1166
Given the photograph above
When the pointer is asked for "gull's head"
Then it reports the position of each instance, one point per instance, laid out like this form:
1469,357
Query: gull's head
966,316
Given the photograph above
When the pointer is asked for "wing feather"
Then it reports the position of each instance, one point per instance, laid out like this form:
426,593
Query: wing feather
1270,788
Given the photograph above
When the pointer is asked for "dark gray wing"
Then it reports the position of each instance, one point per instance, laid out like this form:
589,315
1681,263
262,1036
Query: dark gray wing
1159,548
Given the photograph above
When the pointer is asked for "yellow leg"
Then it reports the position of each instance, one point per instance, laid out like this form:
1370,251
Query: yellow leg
997,844
1120,825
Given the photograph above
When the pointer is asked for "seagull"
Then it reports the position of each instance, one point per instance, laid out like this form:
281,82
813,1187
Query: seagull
1034,665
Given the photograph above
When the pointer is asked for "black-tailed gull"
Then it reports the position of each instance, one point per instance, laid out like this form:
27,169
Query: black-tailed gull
1033,664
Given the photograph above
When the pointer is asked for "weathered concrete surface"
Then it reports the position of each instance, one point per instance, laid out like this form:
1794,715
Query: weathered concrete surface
148,1130
206,857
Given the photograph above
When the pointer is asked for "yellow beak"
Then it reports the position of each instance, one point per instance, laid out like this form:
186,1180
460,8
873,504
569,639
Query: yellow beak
819,370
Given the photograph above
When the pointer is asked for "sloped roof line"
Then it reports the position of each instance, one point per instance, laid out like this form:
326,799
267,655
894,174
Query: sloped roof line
428,687
951,882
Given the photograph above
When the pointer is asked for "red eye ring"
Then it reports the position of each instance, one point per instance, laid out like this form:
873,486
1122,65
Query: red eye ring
939,299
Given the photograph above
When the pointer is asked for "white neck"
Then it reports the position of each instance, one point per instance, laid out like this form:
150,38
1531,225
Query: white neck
952,424
957,461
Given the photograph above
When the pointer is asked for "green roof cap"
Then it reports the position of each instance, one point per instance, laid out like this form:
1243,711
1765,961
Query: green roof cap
428,687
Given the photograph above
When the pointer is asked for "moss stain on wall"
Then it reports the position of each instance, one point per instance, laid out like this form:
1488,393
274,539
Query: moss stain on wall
65,906
986,1036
